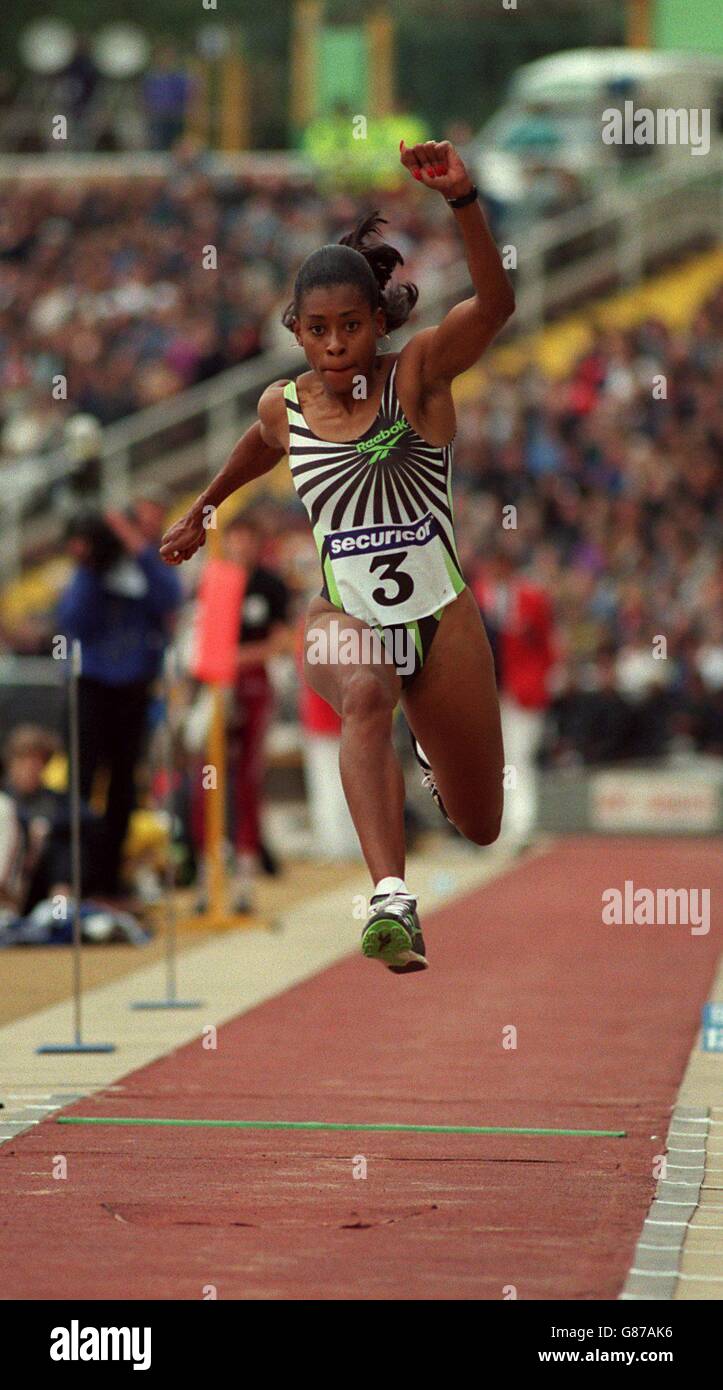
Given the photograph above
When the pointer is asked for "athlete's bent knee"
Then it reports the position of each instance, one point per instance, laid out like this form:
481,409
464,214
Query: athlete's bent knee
365,696
481,830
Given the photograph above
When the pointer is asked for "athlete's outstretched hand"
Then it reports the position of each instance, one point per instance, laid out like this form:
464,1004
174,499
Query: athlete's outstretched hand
436,164
184,538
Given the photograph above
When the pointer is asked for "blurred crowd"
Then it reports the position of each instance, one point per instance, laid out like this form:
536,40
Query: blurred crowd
615,474
112,285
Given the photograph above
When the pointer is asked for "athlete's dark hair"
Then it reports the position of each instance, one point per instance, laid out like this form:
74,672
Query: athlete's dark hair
355,260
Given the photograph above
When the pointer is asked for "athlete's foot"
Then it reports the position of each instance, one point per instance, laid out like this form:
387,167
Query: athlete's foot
392,933
428,778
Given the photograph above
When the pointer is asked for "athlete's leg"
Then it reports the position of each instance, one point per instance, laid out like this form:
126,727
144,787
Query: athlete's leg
364,694
452,709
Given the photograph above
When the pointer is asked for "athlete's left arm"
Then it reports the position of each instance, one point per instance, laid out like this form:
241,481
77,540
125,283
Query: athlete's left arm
462,336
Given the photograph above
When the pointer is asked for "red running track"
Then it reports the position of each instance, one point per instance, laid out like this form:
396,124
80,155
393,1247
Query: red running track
605,1016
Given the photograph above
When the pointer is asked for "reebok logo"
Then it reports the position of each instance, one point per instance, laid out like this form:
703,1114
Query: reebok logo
76,1343
383,441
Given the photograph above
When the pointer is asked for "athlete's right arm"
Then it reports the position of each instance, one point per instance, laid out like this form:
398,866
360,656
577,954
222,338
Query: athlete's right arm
257,452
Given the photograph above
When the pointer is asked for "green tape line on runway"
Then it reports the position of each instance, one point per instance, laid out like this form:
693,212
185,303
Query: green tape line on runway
322,1124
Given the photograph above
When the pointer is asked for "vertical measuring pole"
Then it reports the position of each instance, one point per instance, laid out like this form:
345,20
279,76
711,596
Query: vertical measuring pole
171,1001
75,859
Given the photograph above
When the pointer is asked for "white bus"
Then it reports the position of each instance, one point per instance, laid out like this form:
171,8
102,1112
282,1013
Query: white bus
552,118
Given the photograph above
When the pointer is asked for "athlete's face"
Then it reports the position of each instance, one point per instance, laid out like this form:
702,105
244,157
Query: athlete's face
338,331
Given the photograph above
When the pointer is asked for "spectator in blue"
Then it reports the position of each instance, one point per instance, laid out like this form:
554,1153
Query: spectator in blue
120,605
167,91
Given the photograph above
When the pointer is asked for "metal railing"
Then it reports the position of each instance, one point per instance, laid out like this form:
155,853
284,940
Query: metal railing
253,164
561,262
615,241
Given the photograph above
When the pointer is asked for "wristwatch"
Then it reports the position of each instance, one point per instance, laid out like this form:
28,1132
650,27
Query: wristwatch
466,198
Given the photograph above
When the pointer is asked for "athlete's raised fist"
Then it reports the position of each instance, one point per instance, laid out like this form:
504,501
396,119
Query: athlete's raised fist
437,164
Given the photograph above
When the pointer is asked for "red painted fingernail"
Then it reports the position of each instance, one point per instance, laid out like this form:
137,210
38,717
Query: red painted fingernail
439,169
417,173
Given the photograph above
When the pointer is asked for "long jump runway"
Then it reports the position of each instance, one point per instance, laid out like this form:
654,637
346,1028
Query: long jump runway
605,1019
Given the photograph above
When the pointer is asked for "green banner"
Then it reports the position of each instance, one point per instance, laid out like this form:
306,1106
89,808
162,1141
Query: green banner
342,68
682,25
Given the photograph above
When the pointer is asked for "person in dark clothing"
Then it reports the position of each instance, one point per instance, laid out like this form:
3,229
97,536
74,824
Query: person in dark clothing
651,723
119,604
167,93
589,726
607,718
697,713
565,724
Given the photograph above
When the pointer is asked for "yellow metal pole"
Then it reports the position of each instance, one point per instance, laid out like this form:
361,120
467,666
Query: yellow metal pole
639,23
244,115
380,63
216,808
308,16
235,124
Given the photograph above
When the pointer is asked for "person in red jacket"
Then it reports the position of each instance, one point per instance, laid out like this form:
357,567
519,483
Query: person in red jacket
264,632
519,621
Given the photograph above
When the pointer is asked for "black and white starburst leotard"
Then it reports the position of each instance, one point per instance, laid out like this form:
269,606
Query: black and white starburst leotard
381,512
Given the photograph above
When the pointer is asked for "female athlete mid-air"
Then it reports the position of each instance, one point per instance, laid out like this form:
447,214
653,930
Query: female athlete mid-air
369,441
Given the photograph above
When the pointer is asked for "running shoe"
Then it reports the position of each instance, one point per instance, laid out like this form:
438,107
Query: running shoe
392,933
428,778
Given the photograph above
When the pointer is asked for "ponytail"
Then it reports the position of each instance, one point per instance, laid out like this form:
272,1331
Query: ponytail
357,260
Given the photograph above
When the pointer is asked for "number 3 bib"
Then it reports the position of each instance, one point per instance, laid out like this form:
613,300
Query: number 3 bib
389,574
381,512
